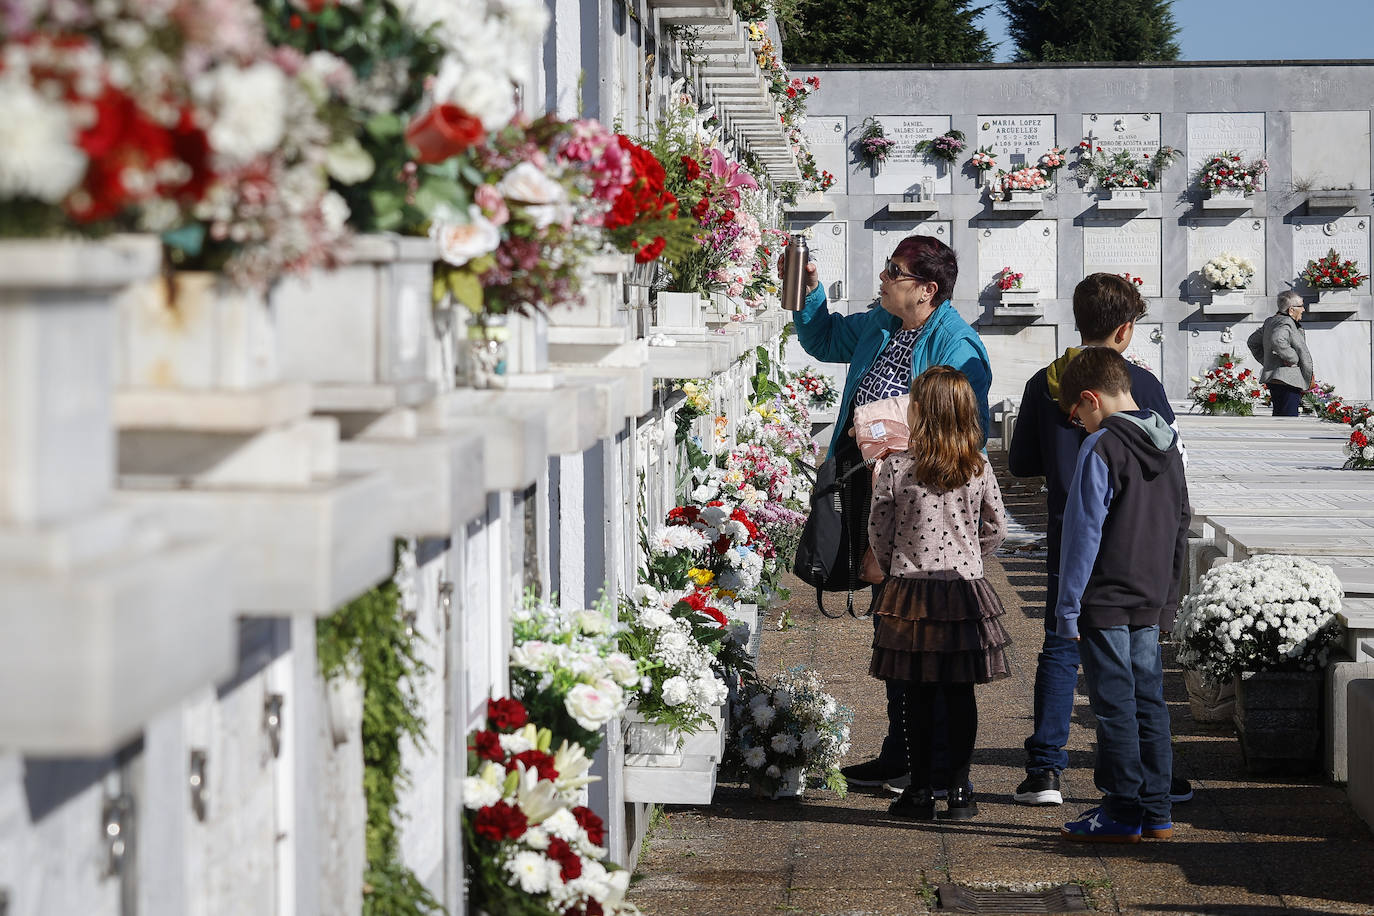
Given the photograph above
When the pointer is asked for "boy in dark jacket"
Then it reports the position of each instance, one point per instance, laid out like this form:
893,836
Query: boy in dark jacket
1125,535
1044,443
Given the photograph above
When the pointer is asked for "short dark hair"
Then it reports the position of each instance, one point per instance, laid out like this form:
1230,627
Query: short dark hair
930,259
1104,302
1099,369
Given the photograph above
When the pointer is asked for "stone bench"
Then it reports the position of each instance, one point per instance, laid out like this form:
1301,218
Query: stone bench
1360,722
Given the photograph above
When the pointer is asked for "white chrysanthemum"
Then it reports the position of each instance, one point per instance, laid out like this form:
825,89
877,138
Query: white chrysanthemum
478,793
562,824
484,92
529,871
516,743
784,743
676,691
755,757
762,715
40,159
249,107
810,738
773,771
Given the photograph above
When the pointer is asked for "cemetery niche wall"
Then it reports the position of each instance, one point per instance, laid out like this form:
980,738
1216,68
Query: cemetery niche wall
1309,123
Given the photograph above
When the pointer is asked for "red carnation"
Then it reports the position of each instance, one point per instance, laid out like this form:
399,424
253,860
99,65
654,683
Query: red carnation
570,863
699,210
500,822
538,761
590,822
651,250
506,715
693,168
487,744
1211,397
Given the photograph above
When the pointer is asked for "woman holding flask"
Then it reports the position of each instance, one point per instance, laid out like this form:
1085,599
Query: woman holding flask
915,327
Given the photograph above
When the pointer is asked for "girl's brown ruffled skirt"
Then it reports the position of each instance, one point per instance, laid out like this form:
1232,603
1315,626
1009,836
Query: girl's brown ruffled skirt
939,631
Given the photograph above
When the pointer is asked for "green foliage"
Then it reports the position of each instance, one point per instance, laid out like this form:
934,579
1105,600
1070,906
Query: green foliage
368,637
891,32
1092,30
763,385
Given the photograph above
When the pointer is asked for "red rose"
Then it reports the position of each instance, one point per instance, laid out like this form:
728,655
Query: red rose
443,132
500,822
538,761
487,744
591,823
570,863
506,715
1211,397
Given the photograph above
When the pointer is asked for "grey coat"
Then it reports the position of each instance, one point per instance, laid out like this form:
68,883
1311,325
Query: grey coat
1280,346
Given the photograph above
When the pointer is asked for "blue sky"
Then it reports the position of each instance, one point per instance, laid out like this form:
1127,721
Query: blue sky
1253,30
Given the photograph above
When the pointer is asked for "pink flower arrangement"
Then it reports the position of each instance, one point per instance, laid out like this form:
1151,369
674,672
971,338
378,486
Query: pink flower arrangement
1029,178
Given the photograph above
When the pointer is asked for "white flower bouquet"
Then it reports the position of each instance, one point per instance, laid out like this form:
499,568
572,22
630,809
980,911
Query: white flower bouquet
567,668
1228,271
530,848
792,724
1267,613
672,643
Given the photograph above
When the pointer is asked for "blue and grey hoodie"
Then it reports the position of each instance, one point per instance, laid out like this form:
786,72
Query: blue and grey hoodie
1125,527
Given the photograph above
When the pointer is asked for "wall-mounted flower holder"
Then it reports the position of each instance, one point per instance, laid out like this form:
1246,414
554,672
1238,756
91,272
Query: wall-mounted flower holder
1128,200
909,209
1018,305
1021,202
1227,302
811,206
680,313
1335,202
1334,302
1231,200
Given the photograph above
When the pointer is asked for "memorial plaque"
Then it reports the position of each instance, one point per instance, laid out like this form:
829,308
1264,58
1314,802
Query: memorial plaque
1340,356
1131,248
830,145
1016,140
1029,247
1330,149
1017,354
1313,237
1145,350
1209,134
1208,238
887,235
1136,134
1207,343
829,244
905,168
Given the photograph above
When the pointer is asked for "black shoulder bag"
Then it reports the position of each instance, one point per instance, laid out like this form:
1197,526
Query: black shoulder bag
828,557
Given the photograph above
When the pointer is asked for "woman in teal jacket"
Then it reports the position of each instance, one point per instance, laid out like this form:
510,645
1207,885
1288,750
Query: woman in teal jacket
916,327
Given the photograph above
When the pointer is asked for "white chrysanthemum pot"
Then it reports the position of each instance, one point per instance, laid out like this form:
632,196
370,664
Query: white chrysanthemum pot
1209,702
645,737
792,784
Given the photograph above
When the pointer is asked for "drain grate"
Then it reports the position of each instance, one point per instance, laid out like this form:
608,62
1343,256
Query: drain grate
1066,898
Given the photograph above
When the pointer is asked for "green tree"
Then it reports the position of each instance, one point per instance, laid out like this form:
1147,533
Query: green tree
1089,30
889,32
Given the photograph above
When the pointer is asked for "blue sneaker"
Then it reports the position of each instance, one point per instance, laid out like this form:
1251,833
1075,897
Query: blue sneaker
1093,826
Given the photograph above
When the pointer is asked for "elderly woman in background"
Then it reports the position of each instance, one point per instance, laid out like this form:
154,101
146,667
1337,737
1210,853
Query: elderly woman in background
916,327
1280,347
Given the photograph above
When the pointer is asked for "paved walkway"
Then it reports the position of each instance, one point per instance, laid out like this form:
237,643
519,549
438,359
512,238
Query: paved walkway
1244,847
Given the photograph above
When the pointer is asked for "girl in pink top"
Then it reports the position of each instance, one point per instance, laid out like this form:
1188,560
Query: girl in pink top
936,512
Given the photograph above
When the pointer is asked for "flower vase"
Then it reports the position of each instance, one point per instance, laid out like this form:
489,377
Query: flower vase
1328,298
482,352
1279,719
792,784
1209,702
643,737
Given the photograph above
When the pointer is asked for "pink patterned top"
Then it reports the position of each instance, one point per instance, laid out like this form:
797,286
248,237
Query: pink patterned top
919,533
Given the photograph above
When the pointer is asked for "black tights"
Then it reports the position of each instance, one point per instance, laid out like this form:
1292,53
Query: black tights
962,729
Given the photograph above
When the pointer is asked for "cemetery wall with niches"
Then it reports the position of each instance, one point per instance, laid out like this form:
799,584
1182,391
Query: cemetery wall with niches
1311,122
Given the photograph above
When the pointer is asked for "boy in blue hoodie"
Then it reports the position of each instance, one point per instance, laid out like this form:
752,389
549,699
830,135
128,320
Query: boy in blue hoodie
1125,536
1045,444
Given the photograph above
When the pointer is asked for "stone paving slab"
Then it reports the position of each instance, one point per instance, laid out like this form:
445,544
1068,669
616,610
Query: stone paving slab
1246,846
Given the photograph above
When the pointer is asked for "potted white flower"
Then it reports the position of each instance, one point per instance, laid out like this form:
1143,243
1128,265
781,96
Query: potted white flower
1229,276
789,732
1267,623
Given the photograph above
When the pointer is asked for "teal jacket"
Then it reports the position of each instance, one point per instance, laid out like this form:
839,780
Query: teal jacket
858,339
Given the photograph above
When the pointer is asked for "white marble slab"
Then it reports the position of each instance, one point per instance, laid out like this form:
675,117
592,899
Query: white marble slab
828,138
1330,148
1137,134
1029,247
1016,140
1209,133
1130,247
905,169
1313,237
1208,237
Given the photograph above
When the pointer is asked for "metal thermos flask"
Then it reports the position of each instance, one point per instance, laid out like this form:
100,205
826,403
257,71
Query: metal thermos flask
794,272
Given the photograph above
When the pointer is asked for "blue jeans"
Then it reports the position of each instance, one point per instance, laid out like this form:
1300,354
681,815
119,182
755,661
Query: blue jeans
1056,679
1125,677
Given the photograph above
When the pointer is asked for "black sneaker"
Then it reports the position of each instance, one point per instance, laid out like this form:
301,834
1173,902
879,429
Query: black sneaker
1180,791
1040,789
961,806
873,772
915,804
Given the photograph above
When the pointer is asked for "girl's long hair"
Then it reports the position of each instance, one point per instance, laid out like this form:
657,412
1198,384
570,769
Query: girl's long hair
946,435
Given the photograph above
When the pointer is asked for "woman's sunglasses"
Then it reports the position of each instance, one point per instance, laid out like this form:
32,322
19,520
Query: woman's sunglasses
896,273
